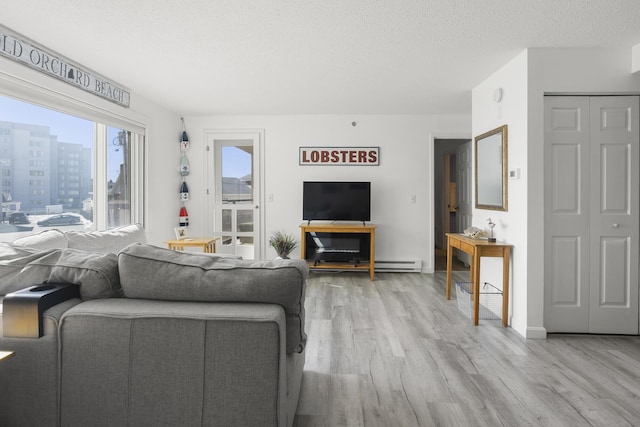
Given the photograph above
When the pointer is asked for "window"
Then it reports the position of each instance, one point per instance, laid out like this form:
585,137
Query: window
83,167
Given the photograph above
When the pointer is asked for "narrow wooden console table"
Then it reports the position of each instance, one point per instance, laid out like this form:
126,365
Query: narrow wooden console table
340,228
477,249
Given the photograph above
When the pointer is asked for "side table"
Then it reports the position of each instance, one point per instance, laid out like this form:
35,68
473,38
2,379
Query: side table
4,355
208,244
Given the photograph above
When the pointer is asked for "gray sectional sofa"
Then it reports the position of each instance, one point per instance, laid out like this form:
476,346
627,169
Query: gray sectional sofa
156,337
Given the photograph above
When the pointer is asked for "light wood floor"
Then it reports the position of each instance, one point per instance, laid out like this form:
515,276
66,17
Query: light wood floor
394,352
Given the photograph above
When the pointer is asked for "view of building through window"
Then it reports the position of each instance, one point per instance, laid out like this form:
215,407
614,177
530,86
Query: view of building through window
47,170
237,212
118,177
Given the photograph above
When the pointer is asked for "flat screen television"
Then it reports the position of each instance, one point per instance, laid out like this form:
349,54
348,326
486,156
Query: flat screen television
336,201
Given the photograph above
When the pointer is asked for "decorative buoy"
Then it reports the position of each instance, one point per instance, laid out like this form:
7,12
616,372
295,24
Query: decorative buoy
184,140
184,217
184,165
184,191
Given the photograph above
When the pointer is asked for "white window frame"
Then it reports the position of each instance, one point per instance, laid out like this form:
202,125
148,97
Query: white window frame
23,90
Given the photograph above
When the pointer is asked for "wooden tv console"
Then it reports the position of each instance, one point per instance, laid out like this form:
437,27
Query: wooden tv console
340,228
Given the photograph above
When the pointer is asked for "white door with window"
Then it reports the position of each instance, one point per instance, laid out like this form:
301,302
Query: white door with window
234,191
591,214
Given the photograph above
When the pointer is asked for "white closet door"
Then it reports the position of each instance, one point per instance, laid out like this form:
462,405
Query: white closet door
591,214
614,220
566,214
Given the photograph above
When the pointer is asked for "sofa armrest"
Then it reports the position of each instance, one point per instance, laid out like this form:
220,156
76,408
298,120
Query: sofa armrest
31,395
22,311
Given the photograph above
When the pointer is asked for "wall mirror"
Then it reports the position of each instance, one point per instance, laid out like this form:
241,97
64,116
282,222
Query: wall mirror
491,169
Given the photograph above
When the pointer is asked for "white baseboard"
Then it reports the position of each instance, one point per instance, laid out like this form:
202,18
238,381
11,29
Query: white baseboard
536,333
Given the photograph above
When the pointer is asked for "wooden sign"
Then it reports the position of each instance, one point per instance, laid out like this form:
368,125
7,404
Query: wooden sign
339,156
20,49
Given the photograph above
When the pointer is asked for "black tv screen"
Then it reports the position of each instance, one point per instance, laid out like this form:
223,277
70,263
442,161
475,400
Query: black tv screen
336,201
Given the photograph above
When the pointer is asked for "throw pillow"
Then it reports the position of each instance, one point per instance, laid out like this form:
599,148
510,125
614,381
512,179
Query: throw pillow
96,274
111,240
47,239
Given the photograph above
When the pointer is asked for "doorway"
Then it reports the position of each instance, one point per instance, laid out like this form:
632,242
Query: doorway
452,196
233,164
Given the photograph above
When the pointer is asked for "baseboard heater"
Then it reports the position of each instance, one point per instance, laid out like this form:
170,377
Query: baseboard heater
414,266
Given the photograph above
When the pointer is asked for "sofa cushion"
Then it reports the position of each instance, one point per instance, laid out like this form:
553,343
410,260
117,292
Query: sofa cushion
151,272
47,239
9,251
111,240
96,274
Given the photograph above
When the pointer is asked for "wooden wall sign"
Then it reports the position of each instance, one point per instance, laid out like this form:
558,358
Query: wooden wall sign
339,156
26,52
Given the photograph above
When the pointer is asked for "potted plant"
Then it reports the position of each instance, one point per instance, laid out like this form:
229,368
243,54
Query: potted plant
283,243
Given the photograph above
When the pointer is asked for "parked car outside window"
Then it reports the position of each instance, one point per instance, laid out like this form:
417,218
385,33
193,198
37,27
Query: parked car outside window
64,219
18,218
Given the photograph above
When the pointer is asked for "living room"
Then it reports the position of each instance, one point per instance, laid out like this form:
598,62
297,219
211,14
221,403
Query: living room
402,182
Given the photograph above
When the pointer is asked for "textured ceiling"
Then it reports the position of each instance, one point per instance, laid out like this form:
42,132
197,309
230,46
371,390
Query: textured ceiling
313,56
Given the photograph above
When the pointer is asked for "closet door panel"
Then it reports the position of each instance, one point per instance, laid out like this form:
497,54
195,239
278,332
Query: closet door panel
614,215
566,214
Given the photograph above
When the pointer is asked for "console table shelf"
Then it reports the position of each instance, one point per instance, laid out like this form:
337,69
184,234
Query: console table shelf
340,230
478,249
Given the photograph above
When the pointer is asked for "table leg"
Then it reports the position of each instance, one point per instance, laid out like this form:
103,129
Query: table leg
505,286
303,245
372,257
449,262
475,283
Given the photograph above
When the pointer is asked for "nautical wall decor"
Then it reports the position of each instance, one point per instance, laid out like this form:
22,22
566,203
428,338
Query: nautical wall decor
184,191
184,172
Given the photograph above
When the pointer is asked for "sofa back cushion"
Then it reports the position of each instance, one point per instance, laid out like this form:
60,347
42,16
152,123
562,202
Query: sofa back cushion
9,251
95,274
47,239
150,272
111,240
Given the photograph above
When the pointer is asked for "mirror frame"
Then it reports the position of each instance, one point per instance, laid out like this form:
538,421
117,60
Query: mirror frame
482,170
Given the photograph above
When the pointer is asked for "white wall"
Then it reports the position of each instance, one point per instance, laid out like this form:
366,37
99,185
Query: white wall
405,229
525,80
635,59
511,226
